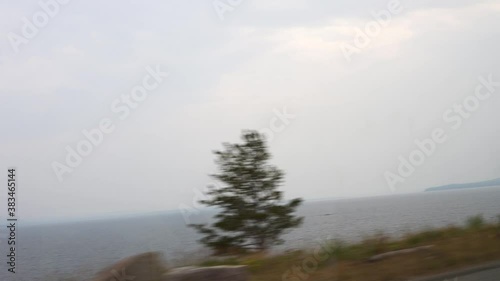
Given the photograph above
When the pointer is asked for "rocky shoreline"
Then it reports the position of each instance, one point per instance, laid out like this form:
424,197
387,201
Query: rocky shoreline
151,267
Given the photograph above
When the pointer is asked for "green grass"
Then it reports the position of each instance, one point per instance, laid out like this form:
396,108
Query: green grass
215,262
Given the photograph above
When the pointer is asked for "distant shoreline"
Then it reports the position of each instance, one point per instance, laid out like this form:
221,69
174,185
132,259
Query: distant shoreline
488,183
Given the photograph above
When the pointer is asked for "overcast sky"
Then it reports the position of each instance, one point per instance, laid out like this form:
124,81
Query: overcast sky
234,69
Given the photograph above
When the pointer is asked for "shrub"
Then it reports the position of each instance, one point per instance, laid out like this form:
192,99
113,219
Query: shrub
475,222
338,249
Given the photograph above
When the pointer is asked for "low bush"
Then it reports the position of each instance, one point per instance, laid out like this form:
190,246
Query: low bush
475,222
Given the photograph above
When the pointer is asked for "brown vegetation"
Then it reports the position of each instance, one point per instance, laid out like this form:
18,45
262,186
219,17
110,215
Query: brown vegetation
452,248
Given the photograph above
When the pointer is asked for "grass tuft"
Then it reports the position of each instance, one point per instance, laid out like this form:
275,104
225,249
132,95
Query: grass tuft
475,222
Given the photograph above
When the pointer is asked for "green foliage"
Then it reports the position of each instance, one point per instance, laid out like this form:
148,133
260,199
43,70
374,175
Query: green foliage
425,236
253,216
228,261
375,244
475,222
339,250
253,263
367,248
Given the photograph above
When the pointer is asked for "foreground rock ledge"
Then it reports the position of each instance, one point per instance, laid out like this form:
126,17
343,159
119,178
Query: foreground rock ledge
219,273
143,267
150,267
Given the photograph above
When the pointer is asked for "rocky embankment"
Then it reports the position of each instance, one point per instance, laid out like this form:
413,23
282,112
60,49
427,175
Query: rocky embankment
150,267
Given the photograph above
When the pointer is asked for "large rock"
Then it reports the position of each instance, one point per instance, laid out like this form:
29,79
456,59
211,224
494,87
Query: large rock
143,267
213,273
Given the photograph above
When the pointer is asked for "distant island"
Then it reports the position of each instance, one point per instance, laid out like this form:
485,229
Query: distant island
495,182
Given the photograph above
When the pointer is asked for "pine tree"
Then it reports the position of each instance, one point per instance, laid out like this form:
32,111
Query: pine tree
252,215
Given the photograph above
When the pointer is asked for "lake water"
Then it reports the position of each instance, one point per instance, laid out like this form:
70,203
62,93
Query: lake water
81,249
